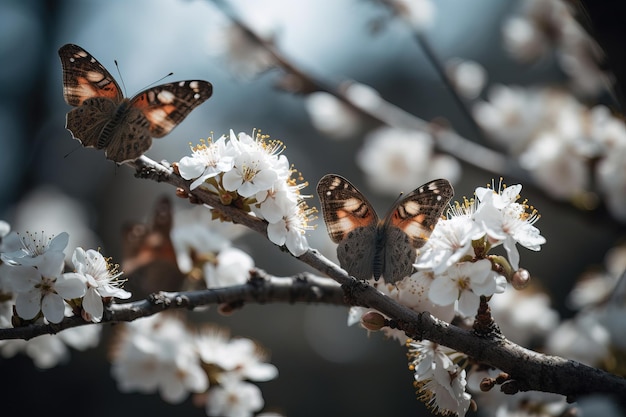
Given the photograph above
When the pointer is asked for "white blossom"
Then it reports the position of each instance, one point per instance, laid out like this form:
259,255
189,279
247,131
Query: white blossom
102,280
43,288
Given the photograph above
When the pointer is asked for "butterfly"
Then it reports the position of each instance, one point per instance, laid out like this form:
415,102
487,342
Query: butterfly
369,247
123,127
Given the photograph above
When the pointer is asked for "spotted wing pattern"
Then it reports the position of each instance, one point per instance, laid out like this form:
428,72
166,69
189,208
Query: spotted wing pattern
368,247
123,127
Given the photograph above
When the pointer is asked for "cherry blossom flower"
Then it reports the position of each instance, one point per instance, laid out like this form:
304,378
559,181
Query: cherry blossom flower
331,116
196,235
207,161
234,397
26,249
449,242
158,354
440,382
394,160
289,231
464,283
43,288
102,280
508,222
232,266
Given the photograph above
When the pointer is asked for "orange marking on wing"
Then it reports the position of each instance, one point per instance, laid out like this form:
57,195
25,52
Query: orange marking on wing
86,89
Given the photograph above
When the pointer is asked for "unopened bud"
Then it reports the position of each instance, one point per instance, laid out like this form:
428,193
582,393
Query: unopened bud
487,384
502,378
373,321
175,168
520,279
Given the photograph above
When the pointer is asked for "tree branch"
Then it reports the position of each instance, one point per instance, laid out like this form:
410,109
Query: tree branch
261,288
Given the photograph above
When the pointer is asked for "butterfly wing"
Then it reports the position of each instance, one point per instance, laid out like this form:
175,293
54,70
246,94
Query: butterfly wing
409,225
351,222
84,77
166,105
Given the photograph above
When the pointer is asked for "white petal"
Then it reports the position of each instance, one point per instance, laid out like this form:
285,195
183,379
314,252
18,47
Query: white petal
28,304
53,307
92,303
468,303
59,243
70,286
23,278
190,167
443,291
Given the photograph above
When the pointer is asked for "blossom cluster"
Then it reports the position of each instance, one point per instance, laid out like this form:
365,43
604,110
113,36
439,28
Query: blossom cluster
34,288
204,249
252,173
34,272
161,354
454,269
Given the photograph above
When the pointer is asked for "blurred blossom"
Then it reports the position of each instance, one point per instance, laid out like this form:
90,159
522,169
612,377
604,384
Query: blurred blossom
245,56
611,177
595,287
556,165
468,77
234,397
545,24
332,117
396,160
232,266
195,233
582,338
512,115
157,353
48,351
420,14
49,209
524,317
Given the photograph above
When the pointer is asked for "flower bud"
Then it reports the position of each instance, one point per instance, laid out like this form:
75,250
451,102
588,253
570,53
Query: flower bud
520,279
373,321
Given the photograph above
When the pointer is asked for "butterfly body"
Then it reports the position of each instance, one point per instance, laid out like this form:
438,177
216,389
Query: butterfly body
371,247
123,127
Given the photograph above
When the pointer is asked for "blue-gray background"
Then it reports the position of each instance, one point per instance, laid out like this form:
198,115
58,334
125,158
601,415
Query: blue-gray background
325,367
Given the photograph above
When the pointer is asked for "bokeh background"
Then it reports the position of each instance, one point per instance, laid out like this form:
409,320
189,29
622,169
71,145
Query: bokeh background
326,368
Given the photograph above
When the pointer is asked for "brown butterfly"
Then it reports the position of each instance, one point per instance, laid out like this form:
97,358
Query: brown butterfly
369,247
123,127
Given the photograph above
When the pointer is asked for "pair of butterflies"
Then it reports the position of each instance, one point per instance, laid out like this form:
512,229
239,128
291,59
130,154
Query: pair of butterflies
123,127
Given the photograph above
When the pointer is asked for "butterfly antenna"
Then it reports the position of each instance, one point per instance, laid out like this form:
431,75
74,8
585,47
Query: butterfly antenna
157,81
72,151
119,73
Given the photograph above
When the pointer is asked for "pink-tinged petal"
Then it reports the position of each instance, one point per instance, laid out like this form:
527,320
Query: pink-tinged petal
53,307
92,303
28,304
70,286
23,278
